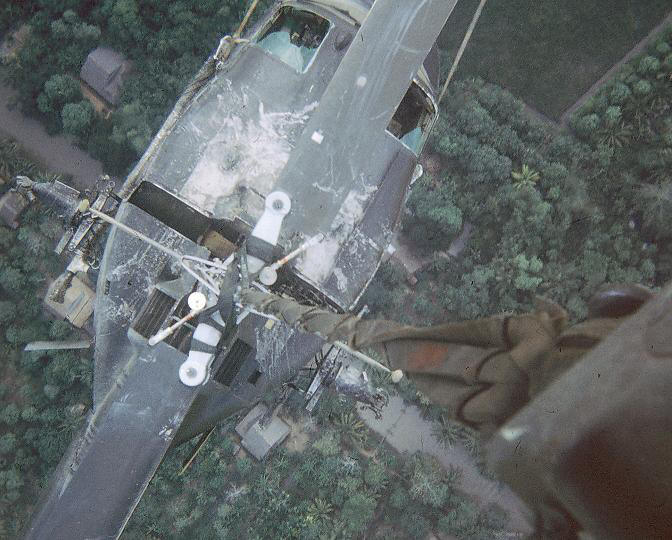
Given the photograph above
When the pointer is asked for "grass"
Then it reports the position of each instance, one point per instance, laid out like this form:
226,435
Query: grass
549,52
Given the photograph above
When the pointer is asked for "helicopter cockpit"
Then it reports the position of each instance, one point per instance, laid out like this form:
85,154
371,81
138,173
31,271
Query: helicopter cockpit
294,36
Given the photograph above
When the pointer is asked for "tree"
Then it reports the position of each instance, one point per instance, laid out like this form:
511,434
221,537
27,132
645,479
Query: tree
131,127
462,520
10,414
58,90
7,444
376,476
124,22
11,279
427,481
77,118
357,513
7,311
526,178
434,220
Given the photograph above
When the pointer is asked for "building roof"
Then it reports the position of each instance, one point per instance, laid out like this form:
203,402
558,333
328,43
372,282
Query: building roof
259,440
12,205
105,71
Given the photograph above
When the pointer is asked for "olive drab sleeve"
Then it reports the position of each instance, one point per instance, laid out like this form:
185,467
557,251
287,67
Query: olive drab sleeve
477,370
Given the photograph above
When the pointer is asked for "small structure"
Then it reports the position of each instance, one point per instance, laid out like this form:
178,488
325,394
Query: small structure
78,303
260,435
12,205
104,72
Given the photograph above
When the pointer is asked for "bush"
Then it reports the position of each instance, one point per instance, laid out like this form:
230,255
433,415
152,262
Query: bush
429,482
642,88
357,513
77,118
619,93
7,444
648,65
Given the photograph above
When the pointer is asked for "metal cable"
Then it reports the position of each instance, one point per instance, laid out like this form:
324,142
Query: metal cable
462,48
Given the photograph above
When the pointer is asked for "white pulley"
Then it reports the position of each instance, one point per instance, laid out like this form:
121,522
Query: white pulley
277,206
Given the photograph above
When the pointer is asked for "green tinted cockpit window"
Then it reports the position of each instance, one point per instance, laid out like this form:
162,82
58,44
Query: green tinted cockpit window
294,37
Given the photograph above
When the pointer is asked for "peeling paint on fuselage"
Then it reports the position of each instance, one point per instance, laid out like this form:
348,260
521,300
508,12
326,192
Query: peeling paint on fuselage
317,262
248,151
271,348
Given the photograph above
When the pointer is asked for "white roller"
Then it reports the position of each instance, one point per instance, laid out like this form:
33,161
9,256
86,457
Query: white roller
268,227
194,370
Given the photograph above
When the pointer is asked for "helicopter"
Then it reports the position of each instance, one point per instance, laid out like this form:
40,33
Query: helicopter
284,166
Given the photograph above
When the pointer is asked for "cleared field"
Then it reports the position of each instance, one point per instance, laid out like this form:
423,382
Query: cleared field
548,53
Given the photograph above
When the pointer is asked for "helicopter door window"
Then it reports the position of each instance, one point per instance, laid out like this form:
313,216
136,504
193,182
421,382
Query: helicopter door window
294,37
413,119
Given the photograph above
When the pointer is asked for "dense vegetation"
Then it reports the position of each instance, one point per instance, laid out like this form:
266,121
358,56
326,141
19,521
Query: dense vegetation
166,41
43,397
342,485
548,53
631,116
552,215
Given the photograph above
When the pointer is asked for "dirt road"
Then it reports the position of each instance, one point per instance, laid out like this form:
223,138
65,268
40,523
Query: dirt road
57,154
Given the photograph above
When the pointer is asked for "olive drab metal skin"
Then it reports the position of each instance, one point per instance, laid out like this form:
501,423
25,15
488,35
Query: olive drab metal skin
328,103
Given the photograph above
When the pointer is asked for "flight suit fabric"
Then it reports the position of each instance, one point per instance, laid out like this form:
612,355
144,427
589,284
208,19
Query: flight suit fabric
480,371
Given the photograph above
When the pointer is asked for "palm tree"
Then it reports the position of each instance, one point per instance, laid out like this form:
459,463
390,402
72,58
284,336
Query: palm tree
447,432
526,178
351,426
319,510
616,136
657,207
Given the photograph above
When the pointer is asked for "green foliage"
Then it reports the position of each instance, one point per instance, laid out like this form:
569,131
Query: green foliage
58,90
434,219
648,65
350,426
642,88
131,127
357,513
429,483
7,311
619,93
77,118
639,136
376,477
462,520
526,178
415,525
7,443
450,433
328,444
244,466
